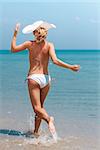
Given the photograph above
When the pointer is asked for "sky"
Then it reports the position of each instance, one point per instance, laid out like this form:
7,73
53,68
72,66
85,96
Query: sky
77,22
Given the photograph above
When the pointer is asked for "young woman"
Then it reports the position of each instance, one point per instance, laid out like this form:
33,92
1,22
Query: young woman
38,77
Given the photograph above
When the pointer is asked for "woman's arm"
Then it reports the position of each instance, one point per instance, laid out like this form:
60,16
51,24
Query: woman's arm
17,48
58,61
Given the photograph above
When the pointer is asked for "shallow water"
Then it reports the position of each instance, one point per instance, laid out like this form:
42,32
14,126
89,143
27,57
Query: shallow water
45,142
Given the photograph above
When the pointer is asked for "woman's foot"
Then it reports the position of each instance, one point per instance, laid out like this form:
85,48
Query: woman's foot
51,125
52,129
36,134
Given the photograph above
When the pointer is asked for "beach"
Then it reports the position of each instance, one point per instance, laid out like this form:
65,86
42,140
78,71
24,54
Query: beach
73,100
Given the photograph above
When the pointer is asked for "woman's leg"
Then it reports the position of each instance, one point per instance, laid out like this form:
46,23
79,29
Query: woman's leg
43,93
34,92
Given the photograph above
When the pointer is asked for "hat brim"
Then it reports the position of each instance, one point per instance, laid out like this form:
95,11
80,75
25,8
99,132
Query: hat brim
34,26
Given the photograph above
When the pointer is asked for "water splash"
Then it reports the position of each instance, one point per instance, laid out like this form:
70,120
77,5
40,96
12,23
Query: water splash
31,122
44,139
55,136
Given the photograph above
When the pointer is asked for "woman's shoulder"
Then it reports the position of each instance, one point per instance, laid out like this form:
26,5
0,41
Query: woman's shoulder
50,43
29,43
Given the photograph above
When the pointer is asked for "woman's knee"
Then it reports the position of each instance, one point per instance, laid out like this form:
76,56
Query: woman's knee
37,109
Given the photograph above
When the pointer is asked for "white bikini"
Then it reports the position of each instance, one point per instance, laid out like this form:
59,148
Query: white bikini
41,79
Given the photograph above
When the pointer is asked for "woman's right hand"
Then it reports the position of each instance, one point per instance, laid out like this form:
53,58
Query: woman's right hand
17,27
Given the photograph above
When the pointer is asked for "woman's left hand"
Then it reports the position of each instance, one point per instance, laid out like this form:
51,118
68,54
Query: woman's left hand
75,67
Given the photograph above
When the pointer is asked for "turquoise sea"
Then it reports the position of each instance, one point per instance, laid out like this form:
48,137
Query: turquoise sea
73,100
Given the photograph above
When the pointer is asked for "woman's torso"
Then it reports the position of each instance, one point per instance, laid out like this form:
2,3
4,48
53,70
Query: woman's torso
38,58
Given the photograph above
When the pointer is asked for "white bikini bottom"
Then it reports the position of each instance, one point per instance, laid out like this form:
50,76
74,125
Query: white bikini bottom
41,79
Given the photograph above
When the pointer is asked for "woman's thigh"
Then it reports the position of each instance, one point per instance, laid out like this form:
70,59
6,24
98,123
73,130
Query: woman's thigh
43,93
34,92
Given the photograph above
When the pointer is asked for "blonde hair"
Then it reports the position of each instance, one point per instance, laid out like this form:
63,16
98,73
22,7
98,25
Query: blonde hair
41,34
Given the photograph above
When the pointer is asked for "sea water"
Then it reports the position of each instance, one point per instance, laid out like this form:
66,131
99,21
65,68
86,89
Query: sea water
73,100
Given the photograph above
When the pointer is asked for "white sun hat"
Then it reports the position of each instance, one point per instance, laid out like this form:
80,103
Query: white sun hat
37,24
